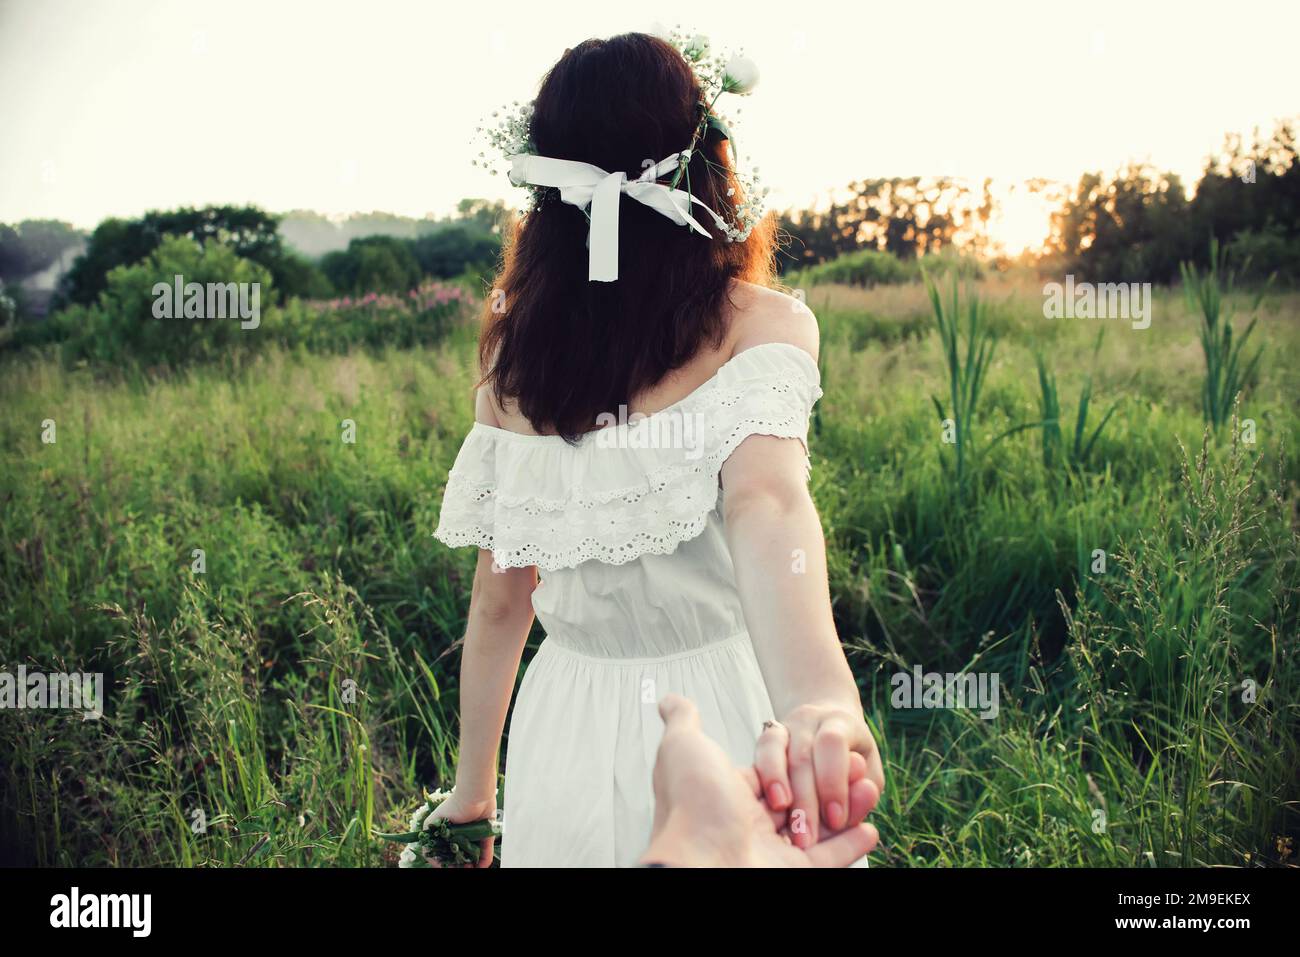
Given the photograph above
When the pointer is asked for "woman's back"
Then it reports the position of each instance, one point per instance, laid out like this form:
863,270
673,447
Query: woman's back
637,595
632,512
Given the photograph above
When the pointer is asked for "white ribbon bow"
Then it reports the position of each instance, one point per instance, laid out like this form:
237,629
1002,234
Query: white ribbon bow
583,185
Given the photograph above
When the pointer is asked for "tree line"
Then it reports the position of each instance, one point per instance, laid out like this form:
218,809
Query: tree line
1137,224
395,260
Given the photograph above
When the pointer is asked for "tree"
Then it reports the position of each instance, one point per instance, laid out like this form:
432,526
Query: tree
487,215
246,230
1132,227
905,216
33,245
373,264
1139,223
452,251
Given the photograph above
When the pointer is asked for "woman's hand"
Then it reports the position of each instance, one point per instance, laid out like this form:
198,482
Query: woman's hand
467,810
806,763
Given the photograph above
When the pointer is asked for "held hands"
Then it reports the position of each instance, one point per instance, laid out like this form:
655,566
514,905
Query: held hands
809,764
709,814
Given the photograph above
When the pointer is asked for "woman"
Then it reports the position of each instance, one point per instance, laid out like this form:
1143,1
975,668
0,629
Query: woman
678,549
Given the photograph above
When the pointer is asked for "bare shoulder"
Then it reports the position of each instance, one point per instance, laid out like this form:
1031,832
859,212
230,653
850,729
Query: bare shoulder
762,315
486,409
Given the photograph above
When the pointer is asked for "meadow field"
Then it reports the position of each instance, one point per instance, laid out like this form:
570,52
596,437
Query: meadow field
1136,589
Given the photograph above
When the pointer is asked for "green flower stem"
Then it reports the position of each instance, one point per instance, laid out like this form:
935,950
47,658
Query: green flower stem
406,837
470,831
699,127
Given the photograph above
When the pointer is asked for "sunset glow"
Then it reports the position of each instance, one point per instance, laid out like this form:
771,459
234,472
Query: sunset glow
140,104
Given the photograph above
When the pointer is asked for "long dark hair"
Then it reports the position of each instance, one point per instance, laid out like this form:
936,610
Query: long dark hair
562,349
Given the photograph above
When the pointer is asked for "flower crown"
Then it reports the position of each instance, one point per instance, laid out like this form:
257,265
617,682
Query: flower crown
591,188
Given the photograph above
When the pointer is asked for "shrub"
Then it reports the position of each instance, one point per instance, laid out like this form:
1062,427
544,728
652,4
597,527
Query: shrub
866,267
871,267
423,316
121,324
1264,253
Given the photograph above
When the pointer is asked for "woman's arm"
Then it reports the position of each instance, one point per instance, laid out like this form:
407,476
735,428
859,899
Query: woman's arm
499,619
500,616
779,554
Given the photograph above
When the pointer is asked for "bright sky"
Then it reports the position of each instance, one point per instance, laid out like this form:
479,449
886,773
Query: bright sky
119,106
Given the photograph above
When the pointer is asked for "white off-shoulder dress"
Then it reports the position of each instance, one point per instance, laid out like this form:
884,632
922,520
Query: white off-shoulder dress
637,598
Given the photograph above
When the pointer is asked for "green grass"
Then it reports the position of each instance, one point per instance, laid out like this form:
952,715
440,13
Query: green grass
1227,370
302,690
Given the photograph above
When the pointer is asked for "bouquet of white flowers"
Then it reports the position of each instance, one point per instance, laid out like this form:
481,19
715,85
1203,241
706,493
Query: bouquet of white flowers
434,842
